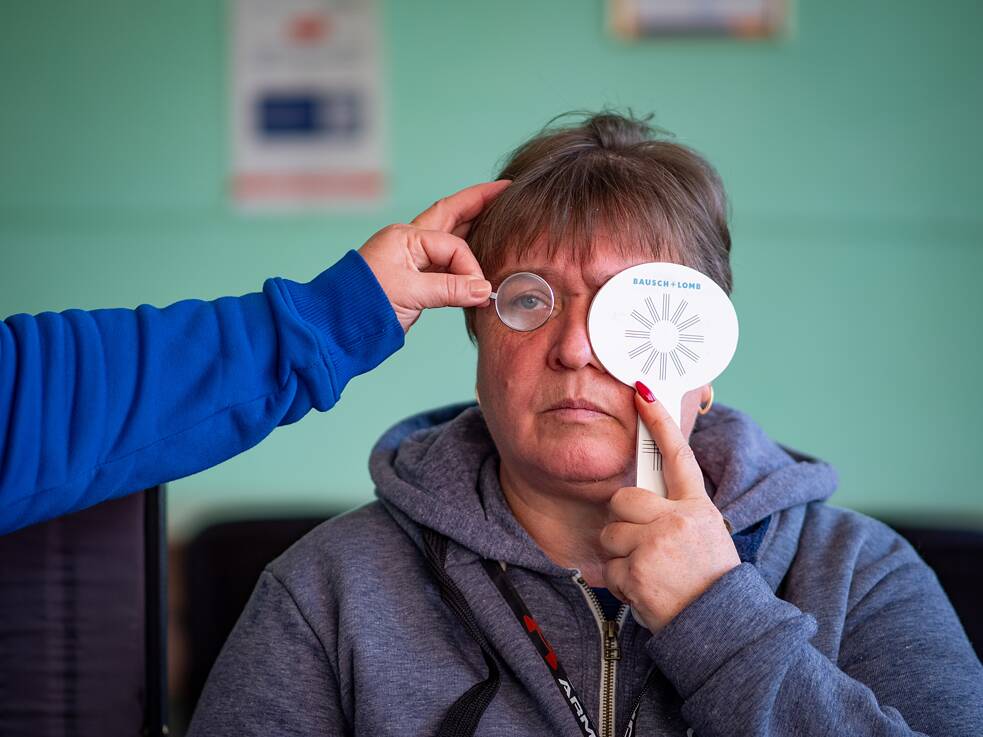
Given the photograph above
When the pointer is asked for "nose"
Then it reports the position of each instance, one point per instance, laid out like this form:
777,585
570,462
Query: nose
570,347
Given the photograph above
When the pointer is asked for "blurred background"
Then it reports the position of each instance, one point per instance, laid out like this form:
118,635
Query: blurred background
848,140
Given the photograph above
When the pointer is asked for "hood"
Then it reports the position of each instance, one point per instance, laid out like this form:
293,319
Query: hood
439,470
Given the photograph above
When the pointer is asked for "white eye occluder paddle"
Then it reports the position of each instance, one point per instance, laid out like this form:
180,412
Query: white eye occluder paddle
670,327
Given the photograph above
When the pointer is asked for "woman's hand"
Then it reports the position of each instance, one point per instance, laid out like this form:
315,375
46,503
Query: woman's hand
665,552
427,263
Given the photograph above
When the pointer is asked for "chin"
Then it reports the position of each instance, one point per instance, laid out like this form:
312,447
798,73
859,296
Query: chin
585,462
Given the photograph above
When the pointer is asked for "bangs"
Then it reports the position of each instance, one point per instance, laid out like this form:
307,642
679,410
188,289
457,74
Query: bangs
607,182
572,208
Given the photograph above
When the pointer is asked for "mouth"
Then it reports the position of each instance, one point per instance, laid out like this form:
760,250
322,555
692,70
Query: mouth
577,410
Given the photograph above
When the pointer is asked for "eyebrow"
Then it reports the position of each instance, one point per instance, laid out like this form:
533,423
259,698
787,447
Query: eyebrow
542,270
551,275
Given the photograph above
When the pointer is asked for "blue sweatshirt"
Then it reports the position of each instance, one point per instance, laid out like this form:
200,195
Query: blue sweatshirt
94,405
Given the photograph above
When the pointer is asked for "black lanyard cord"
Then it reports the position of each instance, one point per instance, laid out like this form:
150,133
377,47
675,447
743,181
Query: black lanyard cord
497,574
462,718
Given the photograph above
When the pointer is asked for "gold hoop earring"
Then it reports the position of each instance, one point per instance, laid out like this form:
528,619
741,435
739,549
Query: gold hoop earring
703,410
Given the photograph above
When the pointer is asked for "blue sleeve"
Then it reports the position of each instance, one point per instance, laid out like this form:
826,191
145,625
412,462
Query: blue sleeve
94,405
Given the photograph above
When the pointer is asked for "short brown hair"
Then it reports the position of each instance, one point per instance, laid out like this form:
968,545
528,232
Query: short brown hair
613,173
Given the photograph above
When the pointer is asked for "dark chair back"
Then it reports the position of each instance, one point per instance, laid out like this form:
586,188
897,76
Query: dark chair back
82,628
221,567
956,556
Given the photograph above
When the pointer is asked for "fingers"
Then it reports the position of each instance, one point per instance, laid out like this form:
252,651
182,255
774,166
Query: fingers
640,506
453,214
616,574
435,250
684,478
450,290
427,263
619,539
459,282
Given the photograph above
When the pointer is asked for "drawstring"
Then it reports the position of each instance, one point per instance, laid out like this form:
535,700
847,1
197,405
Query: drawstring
462,718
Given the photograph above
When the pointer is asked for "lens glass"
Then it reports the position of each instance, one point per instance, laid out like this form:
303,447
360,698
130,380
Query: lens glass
524,301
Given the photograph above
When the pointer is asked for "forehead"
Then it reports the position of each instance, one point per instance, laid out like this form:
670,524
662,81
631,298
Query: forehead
567,271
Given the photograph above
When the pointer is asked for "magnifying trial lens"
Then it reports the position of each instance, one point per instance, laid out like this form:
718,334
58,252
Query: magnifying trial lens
523,301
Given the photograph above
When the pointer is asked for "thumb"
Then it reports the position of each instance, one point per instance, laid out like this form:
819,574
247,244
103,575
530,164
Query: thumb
450,290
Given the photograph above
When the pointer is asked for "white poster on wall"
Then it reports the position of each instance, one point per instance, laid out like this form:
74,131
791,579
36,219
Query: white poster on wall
306,104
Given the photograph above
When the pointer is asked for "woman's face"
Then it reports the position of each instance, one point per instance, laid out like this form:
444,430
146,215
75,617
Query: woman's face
556,416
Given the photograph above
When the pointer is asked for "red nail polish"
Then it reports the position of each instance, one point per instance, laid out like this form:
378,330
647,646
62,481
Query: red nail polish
646,393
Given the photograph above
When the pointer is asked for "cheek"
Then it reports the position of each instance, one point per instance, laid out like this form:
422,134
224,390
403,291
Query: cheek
507,376
508,360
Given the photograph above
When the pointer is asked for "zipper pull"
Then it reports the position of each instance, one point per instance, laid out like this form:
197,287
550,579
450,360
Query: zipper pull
612,651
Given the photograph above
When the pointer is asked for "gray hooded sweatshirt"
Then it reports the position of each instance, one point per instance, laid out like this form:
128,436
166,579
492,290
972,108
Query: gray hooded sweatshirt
832,625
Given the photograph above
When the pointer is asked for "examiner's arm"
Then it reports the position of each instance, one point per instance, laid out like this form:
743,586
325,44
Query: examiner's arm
97,404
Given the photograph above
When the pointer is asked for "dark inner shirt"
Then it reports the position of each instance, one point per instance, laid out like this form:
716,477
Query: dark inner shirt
609,603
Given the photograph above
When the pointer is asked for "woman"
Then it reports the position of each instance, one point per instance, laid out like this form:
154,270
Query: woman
510,580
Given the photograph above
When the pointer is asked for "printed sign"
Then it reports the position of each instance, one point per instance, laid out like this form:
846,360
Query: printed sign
743,18
306,103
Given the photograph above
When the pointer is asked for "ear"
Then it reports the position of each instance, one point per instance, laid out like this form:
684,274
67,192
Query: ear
690,410
706,399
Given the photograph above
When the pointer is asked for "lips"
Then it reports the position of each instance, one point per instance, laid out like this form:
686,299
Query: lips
577,404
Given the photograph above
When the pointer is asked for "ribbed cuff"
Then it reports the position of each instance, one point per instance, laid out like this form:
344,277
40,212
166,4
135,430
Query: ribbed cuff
351,314
738,609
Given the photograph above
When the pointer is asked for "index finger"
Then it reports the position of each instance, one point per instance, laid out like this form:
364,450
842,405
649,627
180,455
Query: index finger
684,477
448,213
435,250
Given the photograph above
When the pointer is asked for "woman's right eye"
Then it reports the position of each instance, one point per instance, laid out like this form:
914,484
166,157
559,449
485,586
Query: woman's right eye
528,301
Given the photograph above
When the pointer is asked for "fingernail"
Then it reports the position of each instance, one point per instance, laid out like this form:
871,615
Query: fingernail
480,288
646,393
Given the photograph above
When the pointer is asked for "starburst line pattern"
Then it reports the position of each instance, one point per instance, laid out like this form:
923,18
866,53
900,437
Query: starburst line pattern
641,318
677,363
651,306
649,361
688,353
689,322
652,355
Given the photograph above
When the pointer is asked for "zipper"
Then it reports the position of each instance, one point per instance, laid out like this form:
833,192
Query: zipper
610,655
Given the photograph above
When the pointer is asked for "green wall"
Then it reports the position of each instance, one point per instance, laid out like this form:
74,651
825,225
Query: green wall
851,152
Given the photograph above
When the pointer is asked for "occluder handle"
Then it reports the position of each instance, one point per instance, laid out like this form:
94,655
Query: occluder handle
648,457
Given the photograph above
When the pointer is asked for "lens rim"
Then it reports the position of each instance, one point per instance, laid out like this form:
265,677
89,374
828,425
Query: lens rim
549,289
